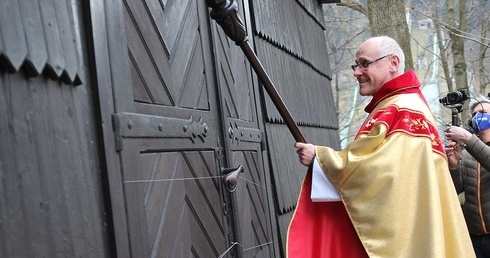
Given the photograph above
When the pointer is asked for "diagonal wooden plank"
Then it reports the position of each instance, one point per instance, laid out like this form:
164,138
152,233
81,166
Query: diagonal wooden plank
169,215
208,185
194,92
171,27
140,88
143,61
202,244
162,197
202,196
236,82
168,218
187,44
186,71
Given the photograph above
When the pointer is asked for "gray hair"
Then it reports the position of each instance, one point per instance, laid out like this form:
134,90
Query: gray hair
386,45
476,101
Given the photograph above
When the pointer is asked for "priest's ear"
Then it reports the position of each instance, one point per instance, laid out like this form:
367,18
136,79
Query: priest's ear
394,63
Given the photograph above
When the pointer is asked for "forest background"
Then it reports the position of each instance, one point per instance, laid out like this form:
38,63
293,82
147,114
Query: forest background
445,43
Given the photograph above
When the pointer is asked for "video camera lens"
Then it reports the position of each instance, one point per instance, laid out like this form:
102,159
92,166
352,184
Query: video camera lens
454,98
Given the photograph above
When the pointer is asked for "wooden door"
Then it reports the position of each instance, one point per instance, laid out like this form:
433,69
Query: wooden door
170,138
185,109
245,143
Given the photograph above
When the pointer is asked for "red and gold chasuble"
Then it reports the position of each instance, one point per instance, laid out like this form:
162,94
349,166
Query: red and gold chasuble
398,199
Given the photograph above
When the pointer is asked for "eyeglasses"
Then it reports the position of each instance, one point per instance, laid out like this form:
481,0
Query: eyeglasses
367,64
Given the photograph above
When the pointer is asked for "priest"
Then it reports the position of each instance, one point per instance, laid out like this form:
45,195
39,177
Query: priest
396,196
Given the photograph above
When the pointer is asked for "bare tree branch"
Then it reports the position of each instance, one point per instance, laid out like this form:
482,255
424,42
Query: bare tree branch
354,6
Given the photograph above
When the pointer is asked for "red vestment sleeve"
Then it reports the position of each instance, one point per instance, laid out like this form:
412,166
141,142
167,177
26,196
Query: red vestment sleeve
321,229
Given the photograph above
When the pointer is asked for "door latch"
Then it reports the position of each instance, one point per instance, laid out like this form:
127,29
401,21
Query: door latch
231,176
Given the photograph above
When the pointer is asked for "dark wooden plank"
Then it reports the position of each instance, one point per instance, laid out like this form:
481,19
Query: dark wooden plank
5,165
314,9
250,200
202,164
291,78
138,226
201,247
12,36
11,202
33,219
210,232
140,87
46,156
61,164
117,42
171,234
236,82
103,24
194,93
285,172
208,61
77,204
143,62
64,17
254,229
225,75
52,213
313,48
156,194
56,64
243,207
2,55
168,227
89,178
144,33
37,52
300,34
170,20
187,41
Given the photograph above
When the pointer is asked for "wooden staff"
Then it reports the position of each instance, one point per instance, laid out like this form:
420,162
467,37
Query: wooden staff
226,15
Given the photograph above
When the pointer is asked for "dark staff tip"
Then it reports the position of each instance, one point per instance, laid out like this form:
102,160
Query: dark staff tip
225,13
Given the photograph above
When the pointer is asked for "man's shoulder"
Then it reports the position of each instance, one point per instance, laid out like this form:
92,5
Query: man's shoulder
410,100
401,117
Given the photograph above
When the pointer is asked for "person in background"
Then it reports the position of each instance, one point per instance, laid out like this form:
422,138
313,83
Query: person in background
397,196
470,170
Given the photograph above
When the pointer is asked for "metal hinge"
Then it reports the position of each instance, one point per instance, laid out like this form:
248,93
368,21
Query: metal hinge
133,125
116,128
263,145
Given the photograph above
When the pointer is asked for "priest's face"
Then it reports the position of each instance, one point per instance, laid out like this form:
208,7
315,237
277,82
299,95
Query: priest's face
372,68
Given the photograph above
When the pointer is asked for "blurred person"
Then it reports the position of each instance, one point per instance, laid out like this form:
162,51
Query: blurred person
397,197
470,170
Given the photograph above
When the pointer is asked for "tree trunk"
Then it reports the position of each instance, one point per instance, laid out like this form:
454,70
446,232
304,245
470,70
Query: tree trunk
457,42
443,53
481,62
388,18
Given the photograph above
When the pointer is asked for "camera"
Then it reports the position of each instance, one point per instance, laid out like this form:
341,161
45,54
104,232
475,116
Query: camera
454,98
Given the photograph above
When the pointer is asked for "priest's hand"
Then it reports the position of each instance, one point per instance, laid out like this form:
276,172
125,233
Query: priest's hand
306,152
